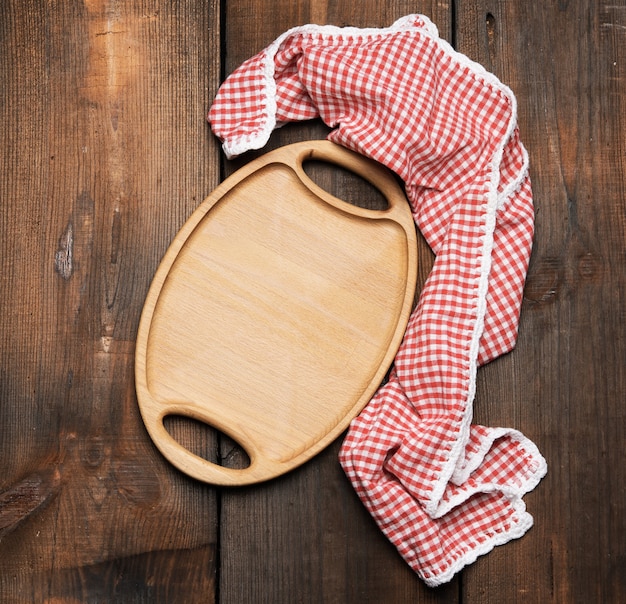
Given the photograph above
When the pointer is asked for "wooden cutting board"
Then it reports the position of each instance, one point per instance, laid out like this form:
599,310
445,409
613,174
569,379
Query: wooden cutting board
275,313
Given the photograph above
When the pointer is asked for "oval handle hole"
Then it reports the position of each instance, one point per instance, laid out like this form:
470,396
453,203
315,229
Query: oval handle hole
345,184
206,442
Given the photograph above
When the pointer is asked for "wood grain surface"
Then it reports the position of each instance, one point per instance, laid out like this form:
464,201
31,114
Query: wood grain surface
105,152
276,313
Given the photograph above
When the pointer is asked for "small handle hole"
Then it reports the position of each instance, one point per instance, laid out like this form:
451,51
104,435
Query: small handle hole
345,185
206,442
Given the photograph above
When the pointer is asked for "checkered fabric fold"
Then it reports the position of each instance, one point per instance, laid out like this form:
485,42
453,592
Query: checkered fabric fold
442,489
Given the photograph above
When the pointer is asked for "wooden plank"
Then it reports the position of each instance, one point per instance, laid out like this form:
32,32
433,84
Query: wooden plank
104,154
306,537
565,383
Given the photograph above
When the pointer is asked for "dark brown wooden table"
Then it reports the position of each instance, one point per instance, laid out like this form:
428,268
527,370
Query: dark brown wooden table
105,152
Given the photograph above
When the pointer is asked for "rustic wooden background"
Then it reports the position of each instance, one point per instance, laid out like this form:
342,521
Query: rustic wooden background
105,152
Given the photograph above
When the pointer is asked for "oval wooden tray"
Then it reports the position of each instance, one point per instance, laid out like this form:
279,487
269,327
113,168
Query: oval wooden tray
275,313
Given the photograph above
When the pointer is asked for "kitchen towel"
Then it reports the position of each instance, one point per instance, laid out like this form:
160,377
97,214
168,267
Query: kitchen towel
442,489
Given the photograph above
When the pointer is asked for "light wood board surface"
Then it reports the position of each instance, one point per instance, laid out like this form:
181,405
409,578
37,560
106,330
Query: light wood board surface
276,312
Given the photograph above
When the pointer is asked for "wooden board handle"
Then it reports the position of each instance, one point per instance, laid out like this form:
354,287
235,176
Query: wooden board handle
202,469
376,174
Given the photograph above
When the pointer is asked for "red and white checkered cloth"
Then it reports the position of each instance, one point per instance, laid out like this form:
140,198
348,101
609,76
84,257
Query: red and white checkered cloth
443,490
